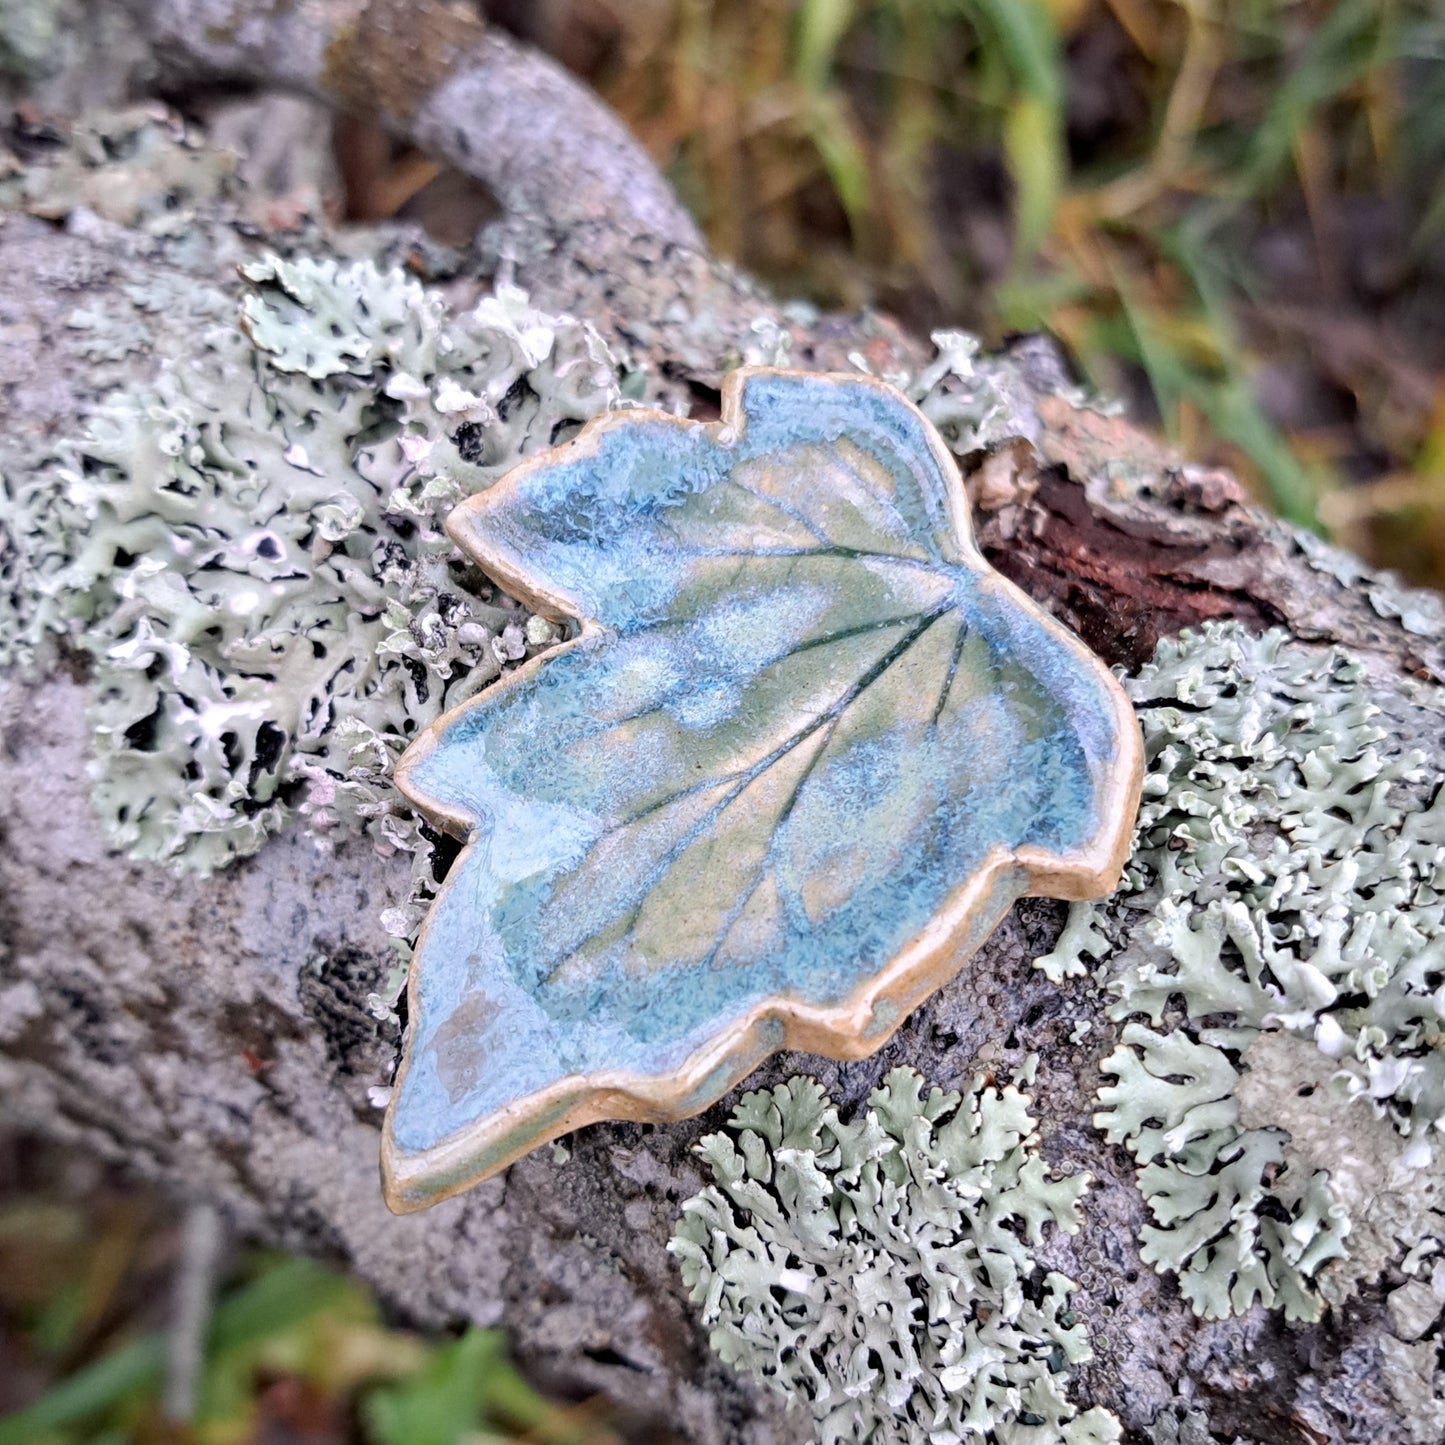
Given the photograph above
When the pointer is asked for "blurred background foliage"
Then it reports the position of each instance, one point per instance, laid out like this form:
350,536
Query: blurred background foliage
288,1352
1232,215
1231,212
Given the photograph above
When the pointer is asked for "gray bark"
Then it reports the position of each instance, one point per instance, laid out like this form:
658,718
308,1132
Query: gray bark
211,1034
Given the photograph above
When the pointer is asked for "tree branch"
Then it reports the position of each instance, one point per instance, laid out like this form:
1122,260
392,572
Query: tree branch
437,74
213,1033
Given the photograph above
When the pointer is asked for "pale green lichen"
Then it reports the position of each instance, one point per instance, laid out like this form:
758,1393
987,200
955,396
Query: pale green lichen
879,1273
1419,611
33,545
29,31
42,527
1390,1186
253,551
977,400
141,167
974,400
1288,879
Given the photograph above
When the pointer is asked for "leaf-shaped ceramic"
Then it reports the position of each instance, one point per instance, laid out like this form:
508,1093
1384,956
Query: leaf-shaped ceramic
802,754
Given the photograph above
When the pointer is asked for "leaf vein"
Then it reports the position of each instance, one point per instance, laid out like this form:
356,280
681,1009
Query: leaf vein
828,718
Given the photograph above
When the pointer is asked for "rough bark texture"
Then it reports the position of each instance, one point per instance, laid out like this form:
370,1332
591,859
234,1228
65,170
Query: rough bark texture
212,1034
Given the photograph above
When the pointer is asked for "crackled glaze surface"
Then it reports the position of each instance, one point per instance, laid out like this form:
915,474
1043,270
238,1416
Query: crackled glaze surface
803,752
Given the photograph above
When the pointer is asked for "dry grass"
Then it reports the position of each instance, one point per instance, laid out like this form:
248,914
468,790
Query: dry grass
1230,211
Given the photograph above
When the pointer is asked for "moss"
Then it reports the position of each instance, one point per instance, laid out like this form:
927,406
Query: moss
1282,930
878,1272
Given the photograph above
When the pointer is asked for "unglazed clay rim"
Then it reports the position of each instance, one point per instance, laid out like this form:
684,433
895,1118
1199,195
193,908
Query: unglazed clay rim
842,1031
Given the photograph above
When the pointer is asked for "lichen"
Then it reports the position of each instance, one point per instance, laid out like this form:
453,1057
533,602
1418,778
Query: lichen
141,167
1389,1185
1183,1424
33,545
974,400
878,1272
1287,886
253,551
29,30
1175,1426
42,526
1419,611
1412,1376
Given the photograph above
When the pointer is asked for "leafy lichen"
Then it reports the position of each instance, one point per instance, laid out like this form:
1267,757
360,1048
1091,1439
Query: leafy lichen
878,1272
29,30
253,551
1290,856
1419,611
141,167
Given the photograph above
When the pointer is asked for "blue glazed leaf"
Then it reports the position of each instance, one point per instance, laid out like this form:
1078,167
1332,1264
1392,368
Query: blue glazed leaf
804,752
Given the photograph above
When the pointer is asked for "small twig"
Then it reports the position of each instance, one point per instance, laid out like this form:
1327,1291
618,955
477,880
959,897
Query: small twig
434,73
202,1236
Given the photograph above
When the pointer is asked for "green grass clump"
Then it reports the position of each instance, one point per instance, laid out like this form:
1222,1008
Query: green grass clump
1111,171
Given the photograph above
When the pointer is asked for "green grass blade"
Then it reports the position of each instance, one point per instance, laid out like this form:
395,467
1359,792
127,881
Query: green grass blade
821,26
1024,34
1034,147
844,157
443,1403
1339,53
282,1296
285,1294
89,1391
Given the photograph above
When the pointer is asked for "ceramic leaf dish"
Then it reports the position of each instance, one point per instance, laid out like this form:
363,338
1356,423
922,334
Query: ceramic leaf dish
802,752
